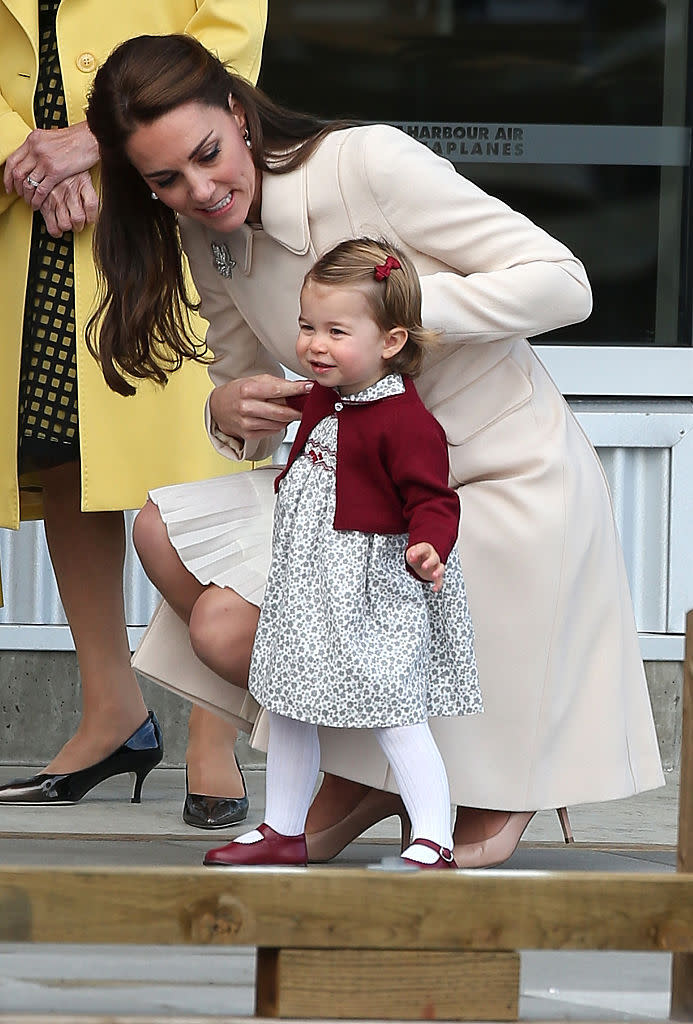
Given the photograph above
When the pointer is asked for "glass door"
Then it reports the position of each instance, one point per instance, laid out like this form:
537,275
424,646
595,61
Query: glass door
572,111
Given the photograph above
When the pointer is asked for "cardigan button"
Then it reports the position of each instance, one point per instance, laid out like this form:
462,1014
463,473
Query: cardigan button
338,406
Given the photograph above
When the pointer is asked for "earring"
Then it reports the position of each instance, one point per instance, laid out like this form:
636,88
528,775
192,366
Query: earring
153,195
246,138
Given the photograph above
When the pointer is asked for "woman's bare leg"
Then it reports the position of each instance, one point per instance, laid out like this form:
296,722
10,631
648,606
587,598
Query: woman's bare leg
209,756
87,550
162,564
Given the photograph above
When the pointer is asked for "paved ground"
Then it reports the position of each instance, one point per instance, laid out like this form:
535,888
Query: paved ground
632,835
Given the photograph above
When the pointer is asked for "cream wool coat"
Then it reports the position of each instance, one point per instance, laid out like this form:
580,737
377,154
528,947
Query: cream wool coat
127,444
567,716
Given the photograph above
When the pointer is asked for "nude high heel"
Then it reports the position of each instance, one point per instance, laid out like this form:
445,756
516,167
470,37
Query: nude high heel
498,848
375,806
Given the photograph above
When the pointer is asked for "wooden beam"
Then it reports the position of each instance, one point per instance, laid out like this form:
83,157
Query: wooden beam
11,1018
392,984
682,965
349,908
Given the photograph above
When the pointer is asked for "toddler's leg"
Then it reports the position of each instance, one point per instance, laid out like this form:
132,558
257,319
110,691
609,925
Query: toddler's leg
293,762
423,785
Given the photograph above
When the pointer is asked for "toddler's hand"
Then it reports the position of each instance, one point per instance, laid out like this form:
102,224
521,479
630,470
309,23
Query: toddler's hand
426,563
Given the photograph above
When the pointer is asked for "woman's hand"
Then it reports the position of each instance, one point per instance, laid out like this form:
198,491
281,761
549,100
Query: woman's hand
426,563
251,408
71,205
49,157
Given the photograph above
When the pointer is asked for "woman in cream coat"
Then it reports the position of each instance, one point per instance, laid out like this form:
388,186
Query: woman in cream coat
557,650
124,447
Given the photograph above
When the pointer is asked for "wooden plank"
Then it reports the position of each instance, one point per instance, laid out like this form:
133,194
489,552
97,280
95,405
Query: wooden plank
349,909
682,965
355,984
111,1019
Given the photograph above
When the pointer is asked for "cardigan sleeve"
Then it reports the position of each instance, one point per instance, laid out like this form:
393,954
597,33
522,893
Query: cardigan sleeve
507,277
419,467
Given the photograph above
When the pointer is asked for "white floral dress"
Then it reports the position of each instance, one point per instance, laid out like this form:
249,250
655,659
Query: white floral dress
347,636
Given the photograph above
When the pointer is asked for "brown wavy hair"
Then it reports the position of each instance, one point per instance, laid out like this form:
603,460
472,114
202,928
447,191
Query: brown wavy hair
395,301
141,328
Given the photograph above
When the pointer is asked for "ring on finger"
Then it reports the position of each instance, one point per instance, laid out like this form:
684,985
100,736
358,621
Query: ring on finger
32,182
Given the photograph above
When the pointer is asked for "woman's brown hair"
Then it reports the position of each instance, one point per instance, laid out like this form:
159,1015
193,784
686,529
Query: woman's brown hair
141,327
393,294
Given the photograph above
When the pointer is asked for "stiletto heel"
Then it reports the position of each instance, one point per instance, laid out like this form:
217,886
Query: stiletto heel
375,806
137,780
562,813
140,753
405,825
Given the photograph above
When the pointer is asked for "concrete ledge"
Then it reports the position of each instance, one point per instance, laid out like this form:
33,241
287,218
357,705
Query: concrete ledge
39,709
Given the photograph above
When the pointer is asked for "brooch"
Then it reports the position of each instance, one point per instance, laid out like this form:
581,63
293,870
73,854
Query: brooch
223,260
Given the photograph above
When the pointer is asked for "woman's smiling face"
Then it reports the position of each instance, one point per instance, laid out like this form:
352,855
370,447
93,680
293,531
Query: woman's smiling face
196,160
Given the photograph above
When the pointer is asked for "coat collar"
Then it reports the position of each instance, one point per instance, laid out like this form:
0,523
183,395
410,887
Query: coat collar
284,215
26,13
285,209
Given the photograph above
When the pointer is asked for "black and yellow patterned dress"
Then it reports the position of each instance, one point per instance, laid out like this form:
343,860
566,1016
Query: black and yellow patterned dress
48,421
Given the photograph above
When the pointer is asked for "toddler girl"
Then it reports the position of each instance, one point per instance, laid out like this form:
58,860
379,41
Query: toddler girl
365,622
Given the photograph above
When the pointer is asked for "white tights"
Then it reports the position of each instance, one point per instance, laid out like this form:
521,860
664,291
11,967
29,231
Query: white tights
293,762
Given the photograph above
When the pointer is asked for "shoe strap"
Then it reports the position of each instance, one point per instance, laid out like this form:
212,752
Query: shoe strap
443,852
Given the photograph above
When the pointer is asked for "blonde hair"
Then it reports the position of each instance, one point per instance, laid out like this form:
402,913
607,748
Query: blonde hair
395,301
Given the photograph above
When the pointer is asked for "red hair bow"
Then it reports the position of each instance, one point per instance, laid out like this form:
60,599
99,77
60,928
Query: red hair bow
383,271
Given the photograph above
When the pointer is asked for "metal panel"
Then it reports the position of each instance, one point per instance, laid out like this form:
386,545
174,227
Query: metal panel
29,588
646,449
639,479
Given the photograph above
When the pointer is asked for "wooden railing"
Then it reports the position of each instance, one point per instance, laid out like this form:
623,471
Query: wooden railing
350,944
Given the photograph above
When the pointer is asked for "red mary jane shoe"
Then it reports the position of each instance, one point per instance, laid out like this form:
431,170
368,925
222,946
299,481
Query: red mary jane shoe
445,857
273,848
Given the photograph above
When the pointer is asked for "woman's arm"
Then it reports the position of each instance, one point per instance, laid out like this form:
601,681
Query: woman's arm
507,278
246,414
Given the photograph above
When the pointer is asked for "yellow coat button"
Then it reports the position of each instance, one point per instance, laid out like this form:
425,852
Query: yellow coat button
86,62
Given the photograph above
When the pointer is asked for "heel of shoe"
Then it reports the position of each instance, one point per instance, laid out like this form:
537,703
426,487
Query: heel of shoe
138,778
405,825
562,813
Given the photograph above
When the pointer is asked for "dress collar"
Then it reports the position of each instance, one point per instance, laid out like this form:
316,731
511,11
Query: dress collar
386,387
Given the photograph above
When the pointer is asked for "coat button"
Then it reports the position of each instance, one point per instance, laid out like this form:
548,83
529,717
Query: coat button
86,62
338,406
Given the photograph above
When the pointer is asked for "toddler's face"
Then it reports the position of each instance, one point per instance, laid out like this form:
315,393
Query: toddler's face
339,342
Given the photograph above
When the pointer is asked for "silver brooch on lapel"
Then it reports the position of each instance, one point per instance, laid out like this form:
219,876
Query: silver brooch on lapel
223,260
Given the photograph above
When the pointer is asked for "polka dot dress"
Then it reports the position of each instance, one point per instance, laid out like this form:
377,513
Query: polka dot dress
347,636
48,423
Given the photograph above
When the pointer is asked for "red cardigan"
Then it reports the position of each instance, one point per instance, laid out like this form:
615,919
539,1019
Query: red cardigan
392,466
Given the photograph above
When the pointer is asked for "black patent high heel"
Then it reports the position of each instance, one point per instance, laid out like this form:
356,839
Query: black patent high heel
140,753
214,811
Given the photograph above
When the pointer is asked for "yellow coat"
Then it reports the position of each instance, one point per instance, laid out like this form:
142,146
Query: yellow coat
128,445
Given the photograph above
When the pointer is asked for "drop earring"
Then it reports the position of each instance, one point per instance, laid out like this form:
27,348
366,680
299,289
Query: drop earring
246,138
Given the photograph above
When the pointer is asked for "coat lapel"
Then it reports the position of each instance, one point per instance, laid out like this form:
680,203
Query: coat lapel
26,13
285,209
